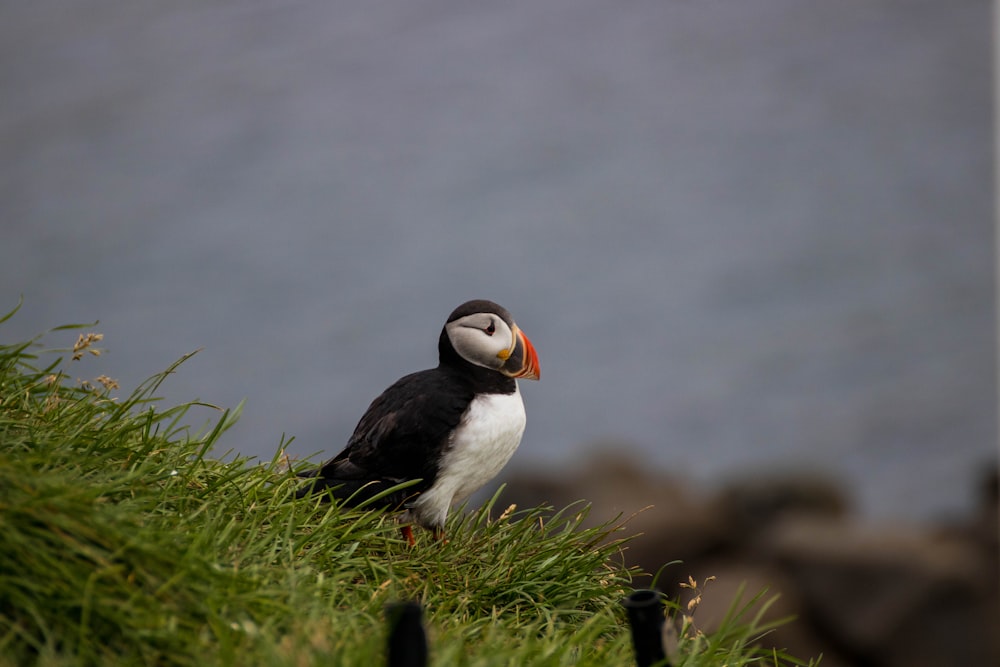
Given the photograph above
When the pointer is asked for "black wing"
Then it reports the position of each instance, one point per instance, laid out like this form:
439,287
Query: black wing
401,437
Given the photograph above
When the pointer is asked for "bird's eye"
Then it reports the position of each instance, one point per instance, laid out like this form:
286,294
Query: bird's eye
490,330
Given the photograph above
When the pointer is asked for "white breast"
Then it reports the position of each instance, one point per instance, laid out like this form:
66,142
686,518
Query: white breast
484,441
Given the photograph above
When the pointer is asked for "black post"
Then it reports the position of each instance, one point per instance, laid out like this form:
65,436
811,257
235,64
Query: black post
646,618
407,646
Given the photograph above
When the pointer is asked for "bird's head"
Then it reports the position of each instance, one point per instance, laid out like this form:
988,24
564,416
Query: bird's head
484,334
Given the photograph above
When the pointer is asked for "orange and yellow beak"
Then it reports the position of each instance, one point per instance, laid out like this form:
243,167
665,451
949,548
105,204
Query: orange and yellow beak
521,360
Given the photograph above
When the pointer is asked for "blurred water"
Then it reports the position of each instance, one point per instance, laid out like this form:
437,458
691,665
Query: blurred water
743,236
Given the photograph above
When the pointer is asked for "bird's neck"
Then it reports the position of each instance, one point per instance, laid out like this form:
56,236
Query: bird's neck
481,380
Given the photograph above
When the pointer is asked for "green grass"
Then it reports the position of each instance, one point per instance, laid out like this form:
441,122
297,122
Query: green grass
125,543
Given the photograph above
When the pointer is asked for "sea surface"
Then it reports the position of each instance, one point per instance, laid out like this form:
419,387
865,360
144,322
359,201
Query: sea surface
745,237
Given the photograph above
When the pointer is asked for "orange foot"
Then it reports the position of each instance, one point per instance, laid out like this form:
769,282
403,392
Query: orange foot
407,531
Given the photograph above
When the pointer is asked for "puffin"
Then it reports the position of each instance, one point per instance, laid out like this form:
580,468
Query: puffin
448,429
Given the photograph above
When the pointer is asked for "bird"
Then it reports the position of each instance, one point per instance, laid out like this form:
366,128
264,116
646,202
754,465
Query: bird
449,430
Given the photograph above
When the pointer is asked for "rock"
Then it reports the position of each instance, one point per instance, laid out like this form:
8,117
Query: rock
668,520
889,595
780,600
750,506
865,595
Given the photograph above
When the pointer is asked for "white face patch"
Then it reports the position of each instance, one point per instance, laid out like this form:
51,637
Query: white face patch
480,339
486,438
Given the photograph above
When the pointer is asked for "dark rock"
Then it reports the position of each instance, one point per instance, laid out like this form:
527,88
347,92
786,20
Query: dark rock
750,506
865,595
781,599
669,521
883,594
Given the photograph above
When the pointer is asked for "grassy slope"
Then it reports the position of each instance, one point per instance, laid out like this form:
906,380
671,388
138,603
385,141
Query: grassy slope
123,543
